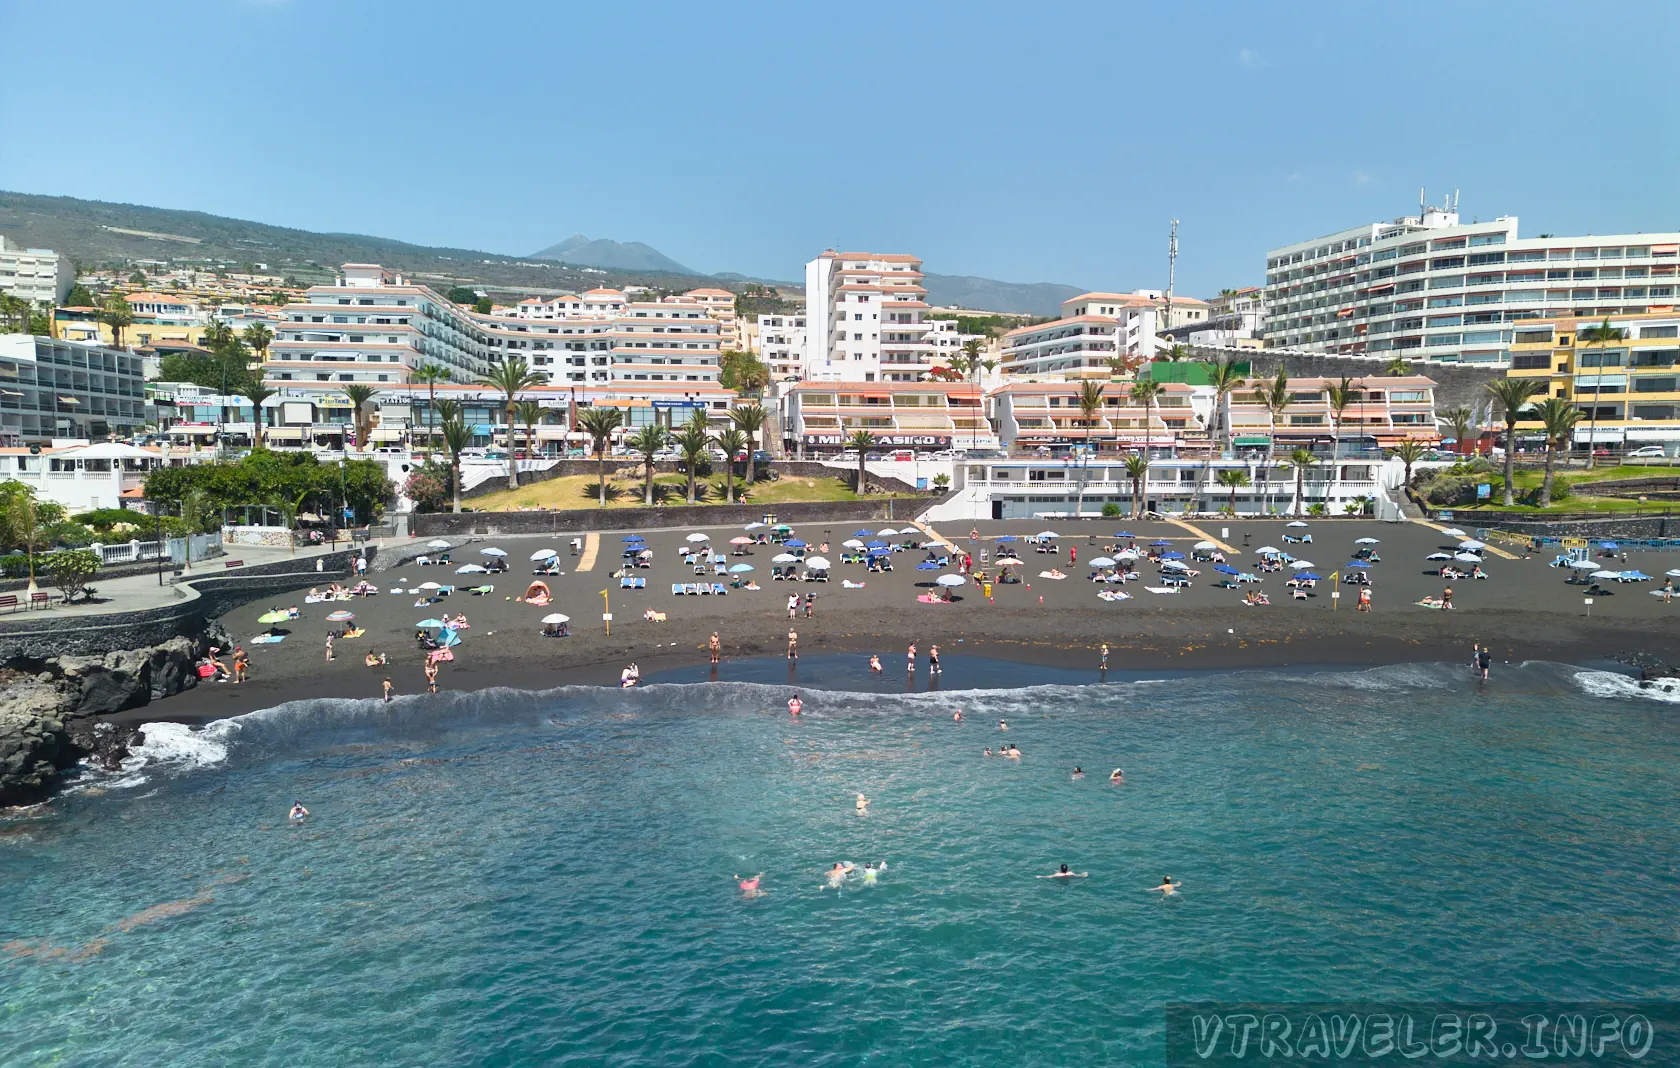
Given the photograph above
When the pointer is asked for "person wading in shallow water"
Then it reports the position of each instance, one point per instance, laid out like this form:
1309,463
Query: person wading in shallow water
715,646
793,644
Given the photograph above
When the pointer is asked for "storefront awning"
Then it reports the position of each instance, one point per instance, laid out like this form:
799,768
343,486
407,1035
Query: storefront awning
1252,441
284,433
387,433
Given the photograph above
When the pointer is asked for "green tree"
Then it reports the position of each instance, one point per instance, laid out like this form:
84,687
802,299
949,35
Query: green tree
1147,391
1341,395
217,336
731,441
1300,459
599,424
692,441
1460,421
648,441
749,420
137,278
1558,418
1090,402
484,306
530,414
1512,395
1275,397
1137,469
15,312
1399,365
509,377
1408,453
118,316
742,372
80,297
360,396
24,520
257,338
862,441
70,570
1233,479
461,295
456,435
431,374
1601,335
1224,377
254,391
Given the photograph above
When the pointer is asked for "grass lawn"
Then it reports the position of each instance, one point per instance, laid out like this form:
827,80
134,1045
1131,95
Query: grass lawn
581,491
1528,480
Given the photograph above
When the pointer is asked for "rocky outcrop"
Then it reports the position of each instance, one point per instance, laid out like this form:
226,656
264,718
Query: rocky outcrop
48,712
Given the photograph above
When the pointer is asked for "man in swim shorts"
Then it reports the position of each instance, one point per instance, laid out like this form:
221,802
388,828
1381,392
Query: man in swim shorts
714,645
1484,660
933,660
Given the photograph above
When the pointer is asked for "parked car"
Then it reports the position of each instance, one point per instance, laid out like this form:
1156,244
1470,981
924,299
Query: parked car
1647,451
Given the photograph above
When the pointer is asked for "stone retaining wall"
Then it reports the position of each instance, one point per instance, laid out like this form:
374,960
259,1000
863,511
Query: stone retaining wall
1609,528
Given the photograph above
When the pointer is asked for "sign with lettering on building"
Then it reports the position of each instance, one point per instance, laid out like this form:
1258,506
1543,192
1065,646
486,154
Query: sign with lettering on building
932,441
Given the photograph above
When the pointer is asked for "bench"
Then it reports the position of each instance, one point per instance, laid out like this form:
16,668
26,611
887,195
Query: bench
39,599
234,563
9,601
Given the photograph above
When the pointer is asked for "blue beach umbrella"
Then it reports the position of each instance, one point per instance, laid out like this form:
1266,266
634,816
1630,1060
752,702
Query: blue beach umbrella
1357,563
1172,556
794,543
862,533
927,565
880,551
877,544
1007,537
1608,545
1308,575
1636,575
430,623
1226,569
1125,534
1159,543
632,537
739,569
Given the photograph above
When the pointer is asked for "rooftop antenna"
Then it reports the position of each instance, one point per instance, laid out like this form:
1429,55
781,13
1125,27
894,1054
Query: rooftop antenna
1423,204
1172,269
1455,200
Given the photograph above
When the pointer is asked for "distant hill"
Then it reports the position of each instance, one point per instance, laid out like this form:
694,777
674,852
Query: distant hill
988,294
615,255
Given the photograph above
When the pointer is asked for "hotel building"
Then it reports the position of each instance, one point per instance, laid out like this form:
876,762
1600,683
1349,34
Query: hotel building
1033,415
864,314
819,416
1095,328
1431,287
781,345
35,274
65,389
1385,411
1633,383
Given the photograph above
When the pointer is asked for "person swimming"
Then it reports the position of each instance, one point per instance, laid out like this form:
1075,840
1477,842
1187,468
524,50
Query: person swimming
1064,873
988,750
870,874
862,805
298,812
750,887
795,705
1167,886
837,874
1077,773
1011,752
1117,776
1003,725
956,717
875,664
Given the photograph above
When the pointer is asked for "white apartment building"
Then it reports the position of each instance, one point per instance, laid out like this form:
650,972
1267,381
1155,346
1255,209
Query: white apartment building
66,389
596,303
1236,319
1429,286
1094,329
35,274
658,341
864,318
781,345
720,305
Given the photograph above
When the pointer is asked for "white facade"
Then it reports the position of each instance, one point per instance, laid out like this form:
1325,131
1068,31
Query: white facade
67,389
781,345
1431,287
864,318
35,274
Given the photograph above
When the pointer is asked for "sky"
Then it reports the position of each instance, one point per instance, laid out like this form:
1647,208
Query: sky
1021,141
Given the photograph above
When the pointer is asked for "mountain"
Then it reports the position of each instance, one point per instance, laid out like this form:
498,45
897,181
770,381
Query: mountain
988,294
615,255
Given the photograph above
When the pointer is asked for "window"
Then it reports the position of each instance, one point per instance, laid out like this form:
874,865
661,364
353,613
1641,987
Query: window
1659,331
1654,385
1653,411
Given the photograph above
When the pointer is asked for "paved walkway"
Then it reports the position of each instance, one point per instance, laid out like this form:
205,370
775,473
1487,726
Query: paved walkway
1202,534
591,549
1495,550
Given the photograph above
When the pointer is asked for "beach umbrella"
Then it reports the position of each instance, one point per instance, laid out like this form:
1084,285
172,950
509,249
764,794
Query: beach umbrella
877,544
739,540
271,618
1226,569
556,617
880,550
1296,523
784,558
1583,565
340,616
1172,556
1673,574
544,554
1174,565
927,565
1101,561
739,569
1159,543
632,537
1472,544
818,562
1608,545
1125,534
697,536
469,569
1636,575
1006,537
950,580
861,533
1467,558
1048,534
424,586
1605,575
1205,545
439,544
492,551
1309,575
782,527
1010,561
1439,556
886,532
1365,541
1266,549
851,543
1299,564
753,525
794,543
431,623
1454,532
1358,563
645,552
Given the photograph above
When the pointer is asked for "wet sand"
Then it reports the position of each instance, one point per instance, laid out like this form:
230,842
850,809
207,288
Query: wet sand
1524,610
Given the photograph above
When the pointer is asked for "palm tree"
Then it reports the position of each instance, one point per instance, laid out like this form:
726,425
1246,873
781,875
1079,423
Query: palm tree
359,397
692,441
1300,459
1600,335
648,441
257,336
1558,418
1225,379
1137,468
1147,391
1116,366
217,337
1176,352
530,414
431,374
1341,396
731,441
599,424
1276,397
749,419
255,392
1234,479
1460,420
862,441
1512,394
1090,402
118,316
1408,453
1398,366
509,377
456,437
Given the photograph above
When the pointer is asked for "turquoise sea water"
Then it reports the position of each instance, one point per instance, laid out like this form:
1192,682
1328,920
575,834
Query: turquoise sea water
514,879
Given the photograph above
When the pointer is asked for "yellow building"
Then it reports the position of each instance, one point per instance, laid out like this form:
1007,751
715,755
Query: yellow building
1630,378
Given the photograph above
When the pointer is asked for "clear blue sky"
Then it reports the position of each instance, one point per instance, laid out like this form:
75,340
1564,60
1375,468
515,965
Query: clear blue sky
1022,141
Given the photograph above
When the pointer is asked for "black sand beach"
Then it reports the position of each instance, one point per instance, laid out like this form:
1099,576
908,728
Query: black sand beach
1524,610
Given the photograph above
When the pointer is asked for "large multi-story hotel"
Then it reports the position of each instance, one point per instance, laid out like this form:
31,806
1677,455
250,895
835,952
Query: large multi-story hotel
1384,412
1033,415
781,345
1431,287
1631,380
38,275
66,389
865,318
1093,330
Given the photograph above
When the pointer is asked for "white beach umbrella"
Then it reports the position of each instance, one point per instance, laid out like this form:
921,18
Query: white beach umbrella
818,562
1365,541
1439,556
1468,558
1101,561
1174,565
1583,565
1454,532
1048,534
697,536
1605,575
886,532
784,558
1010,561
556,617
752,526
1673,574
951,580
740,541
852,543
492,551
1472,544
1296,523
431,586
1301,565
469,569
1264,549
544,554
1205,545
439,544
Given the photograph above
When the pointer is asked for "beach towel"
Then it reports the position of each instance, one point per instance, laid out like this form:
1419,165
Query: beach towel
1051,575
1162,589
848,584
928,598
1113,595
267,639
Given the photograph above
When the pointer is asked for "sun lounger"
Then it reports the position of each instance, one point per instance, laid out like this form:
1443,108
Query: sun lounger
676,589
1298,593
720,589
691,588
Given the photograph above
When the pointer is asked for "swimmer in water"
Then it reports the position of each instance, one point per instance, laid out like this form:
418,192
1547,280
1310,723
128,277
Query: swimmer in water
1065,874
1012,753
1077,773
1167,886
836,875
956,717
988,750
870,874
1117,777
795,705
862,805
875,664
1002,726
298,812
749,887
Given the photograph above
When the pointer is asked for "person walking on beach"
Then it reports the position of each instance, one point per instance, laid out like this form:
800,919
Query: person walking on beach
1102,665
1483,661
910,659
387,688
793,605
793,644
329,647
1073,554
714,646
1446,597
431,670
1668,590
933,660
1364,604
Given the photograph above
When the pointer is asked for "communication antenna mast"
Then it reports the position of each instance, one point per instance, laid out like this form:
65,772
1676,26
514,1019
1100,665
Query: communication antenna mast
1172,270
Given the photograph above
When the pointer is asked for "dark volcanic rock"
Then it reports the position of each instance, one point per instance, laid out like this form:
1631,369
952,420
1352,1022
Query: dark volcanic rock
34,744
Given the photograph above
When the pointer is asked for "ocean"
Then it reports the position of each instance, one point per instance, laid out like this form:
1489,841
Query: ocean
513,878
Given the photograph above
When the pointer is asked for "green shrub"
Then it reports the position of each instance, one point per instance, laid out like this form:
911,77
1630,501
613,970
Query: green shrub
1111,510
14,565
